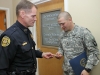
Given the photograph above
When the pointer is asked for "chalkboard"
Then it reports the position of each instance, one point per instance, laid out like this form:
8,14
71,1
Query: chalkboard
50,29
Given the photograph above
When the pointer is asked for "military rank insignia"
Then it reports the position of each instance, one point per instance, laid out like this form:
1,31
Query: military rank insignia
5,41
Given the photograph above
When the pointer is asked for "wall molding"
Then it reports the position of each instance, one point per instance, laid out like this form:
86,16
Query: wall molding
36,2
7,15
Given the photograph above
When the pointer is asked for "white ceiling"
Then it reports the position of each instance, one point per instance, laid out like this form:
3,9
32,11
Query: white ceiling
36,2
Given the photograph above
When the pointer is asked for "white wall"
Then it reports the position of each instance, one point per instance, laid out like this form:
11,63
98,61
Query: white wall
86,13
15,2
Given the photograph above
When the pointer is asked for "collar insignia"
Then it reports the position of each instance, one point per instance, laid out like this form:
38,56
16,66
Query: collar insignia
24,43
31,36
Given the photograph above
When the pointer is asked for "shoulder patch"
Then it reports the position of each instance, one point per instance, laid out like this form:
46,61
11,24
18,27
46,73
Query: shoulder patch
94,42
5,41
88,29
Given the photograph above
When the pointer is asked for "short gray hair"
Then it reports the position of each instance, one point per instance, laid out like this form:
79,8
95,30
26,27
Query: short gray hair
25,5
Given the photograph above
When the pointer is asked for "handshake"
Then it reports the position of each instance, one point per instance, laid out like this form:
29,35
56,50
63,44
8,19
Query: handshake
49,55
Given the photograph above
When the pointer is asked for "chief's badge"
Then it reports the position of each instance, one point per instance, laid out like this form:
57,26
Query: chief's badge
83,62
5,41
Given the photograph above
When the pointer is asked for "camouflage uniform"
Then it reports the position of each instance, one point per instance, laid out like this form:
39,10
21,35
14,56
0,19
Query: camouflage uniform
73,43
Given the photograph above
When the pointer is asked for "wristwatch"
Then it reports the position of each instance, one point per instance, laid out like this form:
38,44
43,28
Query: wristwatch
88,70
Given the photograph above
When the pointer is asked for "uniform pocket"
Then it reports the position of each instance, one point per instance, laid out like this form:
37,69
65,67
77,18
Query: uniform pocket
26,47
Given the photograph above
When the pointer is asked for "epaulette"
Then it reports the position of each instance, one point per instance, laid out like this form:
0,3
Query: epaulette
88,29
10,30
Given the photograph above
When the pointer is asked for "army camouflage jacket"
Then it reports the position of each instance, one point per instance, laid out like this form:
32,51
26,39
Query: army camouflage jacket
74,42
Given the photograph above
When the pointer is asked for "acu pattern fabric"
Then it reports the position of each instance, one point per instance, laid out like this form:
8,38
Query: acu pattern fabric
73,43
17,50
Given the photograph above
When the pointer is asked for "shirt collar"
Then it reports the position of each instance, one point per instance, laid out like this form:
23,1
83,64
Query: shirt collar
72,32
23,28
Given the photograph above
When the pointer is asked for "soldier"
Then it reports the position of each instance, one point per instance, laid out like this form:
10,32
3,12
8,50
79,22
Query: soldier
73,41
17,48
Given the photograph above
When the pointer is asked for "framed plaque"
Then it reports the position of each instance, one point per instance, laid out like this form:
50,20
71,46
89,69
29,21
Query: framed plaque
50,29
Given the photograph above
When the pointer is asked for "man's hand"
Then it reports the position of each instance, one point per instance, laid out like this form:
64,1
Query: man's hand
58,55
84,72
47,55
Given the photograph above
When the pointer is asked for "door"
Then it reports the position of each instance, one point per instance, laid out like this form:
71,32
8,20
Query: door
48,66
2,20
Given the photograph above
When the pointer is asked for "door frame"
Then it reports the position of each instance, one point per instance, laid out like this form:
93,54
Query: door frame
7,15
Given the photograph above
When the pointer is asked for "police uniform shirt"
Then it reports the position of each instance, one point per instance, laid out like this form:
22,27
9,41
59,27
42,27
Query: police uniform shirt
74,42
16,51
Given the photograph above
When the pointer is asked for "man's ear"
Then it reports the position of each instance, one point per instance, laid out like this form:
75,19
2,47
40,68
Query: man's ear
22,13
70,19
